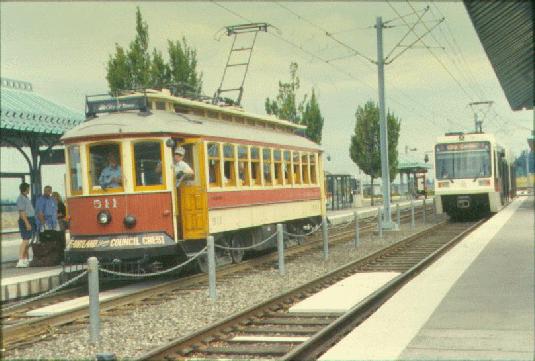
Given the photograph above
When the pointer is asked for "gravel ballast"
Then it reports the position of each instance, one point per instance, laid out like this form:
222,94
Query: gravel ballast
146,327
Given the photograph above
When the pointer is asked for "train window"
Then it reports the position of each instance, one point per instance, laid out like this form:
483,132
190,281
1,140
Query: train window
214,161
148,168
256,178
105,168
266,157
243,165
287,166
277,161
313,177
75,169
229,165
305,167
297,176
160,105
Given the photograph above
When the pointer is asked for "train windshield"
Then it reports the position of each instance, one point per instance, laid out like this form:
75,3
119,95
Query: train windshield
463,160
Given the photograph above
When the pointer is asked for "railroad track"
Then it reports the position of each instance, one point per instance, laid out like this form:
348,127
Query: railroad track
18,329
270,331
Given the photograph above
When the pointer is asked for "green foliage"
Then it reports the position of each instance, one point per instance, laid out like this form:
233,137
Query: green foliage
285,106
136,68
365,148
183,65
313,119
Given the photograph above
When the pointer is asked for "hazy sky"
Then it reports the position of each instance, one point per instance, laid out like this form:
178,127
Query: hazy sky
63,48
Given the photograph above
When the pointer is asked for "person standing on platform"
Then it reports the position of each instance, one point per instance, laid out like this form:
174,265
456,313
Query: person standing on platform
62,217
26,224
46,211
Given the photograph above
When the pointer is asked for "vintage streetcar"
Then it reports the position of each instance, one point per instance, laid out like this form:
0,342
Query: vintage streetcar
127,204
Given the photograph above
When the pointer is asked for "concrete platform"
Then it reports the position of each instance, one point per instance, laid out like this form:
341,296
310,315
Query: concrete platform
476,302
84,301
346,215
343,295
23,282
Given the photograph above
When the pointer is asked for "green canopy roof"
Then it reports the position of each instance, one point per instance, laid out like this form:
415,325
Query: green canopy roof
22,110
410,164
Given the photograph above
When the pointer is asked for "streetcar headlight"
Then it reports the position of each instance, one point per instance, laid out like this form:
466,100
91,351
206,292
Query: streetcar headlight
484,182
443,184
103,217
129,221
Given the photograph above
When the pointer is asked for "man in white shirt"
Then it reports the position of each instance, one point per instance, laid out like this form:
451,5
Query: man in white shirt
182,169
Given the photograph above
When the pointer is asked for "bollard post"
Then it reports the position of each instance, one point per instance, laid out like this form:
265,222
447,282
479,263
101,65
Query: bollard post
412,214
434,209
280,248
94,302
211,267
325,237
380,221
398,215
357,230
423,207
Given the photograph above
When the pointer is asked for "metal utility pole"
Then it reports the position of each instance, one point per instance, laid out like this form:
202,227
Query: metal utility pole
385,171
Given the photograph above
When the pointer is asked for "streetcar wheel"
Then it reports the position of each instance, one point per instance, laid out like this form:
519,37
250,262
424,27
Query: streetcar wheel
236,254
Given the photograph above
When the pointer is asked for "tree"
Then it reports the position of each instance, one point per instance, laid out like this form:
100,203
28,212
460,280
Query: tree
136,68
285,106
365,148
313,119
183,66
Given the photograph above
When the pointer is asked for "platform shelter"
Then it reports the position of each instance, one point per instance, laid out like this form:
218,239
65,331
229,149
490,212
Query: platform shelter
33,125
414,172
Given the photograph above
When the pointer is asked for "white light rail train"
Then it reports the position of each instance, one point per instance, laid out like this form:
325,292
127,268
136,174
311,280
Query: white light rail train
473,175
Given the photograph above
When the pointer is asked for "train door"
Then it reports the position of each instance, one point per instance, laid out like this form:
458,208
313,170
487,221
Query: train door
192,219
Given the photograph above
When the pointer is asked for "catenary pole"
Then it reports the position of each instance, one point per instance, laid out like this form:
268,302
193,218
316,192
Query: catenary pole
385,174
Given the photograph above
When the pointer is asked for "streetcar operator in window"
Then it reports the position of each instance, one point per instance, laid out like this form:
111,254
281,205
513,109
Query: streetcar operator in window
182,169
111,175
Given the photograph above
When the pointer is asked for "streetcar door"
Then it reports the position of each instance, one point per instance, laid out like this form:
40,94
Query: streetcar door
193,215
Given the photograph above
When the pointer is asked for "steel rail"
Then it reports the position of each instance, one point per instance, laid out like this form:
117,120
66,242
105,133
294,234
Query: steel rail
189,342
323,340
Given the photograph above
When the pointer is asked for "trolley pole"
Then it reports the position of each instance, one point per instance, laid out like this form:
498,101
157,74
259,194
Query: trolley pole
385,173
280,248
94,302
211,268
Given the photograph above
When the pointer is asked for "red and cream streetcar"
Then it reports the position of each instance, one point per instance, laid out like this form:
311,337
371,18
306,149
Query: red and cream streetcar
250,172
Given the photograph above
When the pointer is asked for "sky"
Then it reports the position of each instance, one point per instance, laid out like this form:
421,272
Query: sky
64,55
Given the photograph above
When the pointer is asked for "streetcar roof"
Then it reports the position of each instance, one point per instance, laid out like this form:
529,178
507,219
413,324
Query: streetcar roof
160,122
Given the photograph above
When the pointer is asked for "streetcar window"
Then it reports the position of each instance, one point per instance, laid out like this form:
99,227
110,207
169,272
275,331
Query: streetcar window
313,177
287,166
214,170
255,166
228,165
466,160
148,163
305,167
75,169
105,166
243,165
277,161
297,168
266,157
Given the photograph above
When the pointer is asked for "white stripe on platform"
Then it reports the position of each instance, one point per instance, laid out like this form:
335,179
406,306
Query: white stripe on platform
269,338
84,301
386,333
344,294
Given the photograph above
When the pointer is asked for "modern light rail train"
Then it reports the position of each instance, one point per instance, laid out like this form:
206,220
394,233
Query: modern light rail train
127,205
473,175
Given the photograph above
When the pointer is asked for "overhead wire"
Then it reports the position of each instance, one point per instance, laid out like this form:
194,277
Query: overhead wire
338,69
